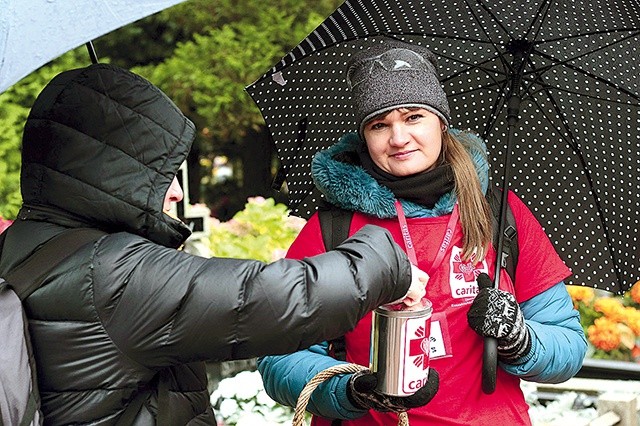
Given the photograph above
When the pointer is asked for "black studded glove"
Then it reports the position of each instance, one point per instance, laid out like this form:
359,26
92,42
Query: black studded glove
361,393
495,313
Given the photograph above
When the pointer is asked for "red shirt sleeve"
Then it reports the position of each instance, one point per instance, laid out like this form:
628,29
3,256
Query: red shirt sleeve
309,240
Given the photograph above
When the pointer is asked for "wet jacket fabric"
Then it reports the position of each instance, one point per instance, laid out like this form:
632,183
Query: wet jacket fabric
129,312
558,342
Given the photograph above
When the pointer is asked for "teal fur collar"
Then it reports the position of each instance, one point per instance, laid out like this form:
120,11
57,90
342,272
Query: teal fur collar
350,187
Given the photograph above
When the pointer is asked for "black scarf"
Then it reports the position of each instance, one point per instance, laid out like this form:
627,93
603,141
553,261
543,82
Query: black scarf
424,188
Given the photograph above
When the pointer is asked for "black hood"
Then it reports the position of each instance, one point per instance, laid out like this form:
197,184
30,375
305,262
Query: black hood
100,148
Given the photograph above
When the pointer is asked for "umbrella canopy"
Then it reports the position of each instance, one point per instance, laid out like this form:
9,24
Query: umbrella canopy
552,86
33,32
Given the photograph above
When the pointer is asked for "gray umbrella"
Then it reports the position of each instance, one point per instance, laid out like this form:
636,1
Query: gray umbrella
552,86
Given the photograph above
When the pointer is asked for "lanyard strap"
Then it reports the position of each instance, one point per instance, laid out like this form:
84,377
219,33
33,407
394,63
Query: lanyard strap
444,245
411,252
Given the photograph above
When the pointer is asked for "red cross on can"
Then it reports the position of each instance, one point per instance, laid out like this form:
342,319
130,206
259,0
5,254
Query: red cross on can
400,348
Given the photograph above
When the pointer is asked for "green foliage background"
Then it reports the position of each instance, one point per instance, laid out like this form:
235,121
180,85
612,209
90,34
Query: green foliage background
262,231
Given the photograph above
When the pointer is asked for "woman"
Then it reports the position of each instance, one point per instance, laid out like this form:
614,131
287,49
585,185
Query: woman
406,151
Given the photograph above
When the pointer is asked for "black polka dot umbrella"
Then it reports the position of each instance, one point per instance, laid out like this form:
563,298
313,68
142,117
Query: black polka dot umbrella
553,87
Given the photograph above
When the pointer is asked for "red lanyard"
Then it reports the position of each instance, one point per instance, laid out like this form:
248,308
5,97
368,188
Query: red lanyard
405,234
446,240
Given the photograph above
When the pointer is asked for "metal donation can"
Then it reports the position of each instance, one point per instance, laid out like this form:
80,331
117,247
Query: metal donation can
400,348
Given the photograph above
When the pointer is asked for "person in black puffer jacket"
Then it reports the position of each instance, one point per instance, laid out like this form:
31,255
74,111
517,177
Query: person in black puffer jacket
130,314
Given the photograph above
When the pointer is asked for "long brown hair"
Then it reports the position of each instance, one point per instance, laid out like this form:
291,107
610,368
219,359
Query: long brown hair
475,212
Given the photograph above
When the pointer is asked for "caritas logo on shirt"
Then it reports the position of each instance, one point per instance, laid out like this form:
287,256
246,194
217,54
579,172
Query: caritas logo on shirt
462,275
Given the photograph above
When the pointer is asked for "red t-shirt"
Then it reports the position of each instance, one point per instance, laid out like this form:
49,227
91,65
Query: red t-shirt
456,350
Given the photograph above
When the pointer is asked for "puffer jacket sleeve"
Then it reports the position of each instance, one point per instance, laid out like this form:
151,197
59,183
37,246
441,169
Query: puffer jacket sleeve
284,377
558,343
162,307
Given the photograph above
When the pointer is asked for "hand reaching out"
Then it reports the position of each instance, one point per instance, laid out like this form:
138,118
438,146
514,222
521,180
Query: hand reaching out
417,289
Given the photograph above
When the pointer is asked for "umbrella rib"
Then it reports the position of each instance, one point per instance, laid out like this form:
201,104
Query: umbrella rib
546,6
505,63
567,130
634,32
566,61
493,118
582,71
493,17
570,140
537,74
545,86
471,66
502,85
494,112
502,89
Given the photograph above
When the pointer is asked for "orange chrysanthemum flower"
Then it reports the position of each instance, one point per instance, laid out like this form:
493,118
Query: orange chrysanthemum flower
611,307
604,334
581,294
632,319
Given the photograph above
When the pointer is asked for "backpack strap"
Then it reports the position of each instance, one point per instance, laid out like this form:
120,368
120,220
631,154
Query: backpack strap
128,416
32,404
29,275
510,243
334,224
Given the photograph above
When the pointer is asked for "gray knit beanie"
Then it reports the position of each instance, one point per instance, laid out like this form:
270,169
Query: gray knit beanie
394,74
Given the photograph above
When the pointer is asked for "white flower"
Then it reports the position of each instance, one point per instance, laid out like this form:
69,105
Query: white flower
226,388
214,397
247,384
228,407
263,399
257,200
243,402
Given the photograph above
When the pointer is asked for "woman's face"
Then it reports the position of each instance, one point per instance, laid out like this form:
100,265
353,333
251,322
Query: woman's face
405,142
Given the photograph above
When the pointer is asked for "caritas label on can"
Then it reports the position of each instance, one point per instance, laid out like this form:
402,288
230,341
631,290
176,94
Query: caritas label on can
400,348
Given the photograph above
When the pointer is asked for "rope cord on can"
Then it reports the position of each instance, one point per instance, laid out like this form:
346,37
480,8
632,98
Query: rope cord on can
305,395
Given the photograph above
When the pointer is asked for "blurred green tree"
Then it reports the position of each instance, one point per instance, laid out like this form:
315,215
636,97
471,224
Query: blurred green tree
206,76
